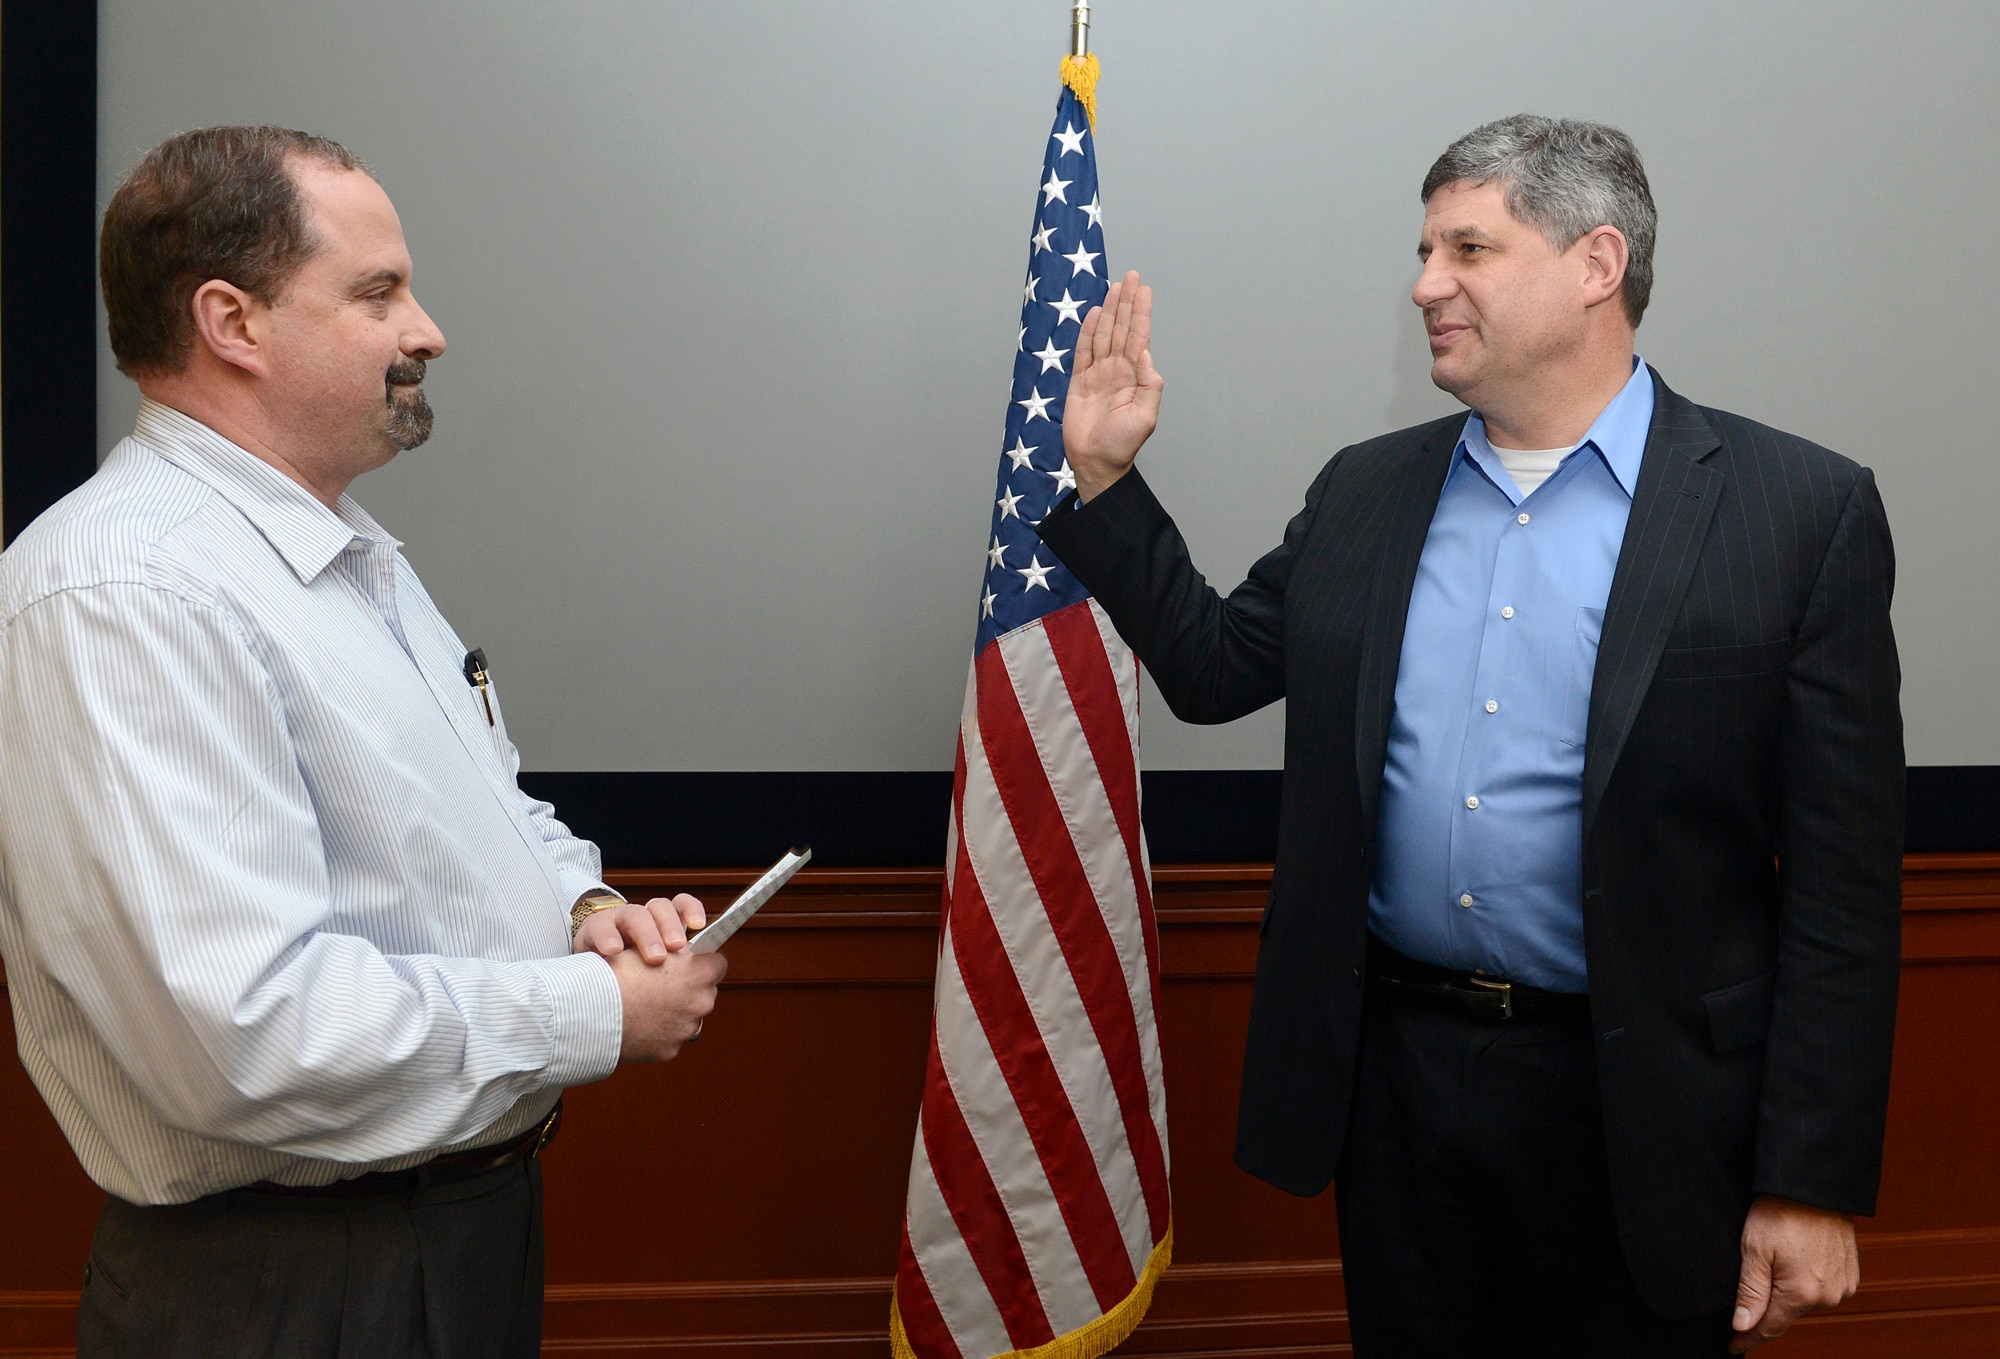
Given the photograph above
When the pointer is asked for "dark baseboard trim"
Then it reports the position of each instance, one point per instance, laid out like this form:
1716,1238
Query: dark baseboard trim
646,820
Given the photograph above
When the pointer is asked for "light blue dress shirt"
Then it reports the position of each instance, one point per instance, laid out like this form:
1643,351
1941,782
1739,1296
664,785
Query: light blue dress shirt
1480,840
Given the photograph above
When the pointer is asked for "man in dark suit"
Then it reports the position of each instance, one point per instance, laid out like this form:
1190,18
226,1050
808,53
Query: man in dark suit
1579,969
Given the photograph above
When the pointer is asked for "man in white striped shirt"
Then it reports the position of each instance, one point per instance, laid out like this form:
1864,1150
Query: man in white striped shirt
291,955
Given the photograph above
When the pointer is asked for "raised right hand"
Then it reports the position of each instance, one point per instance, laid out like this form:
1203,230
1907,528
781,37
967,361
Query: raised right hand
665,1002
1114,390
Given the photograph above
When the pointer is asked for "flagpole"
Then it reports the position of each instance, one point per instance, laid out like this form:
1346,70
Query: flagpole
1079,29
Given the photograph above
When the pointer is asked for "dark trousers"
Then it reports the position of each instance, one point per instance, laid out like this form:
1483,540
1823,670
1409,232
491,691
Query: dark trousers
449,1271
1475,1199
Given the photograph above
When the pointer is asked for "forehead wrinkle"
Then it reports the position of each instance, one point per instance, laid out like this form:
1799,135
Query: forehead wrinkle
1453,234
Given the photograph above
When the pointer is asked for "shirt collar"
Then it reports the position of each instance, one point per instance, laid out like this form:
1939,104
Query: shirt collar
307,534
1618,434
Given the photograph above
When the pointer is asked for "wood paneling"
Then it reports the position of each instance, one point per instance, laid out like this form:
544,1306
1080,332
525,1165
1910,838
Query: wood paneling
745,1199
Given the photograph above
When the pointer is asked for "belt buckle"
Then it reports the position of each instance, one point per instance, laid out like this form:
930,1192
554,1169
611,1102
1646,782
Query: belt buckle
1506,990
546,1133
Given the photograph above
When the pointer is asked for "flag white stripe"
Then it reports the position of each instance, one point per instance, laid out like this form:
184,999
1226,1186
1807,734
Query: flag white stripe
1125,670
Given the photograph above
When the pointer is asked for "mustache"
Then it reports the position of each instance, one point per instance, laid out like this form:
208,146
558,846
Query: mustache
405,372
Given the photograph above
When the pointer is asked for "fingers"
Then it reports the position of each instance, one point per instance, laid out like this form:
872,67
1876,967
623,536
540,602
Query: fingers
1101,346
1139,338
598,934
1753,1294
1796,1259
1086,336
693,915
1152,386
642,928
665,1005
1124,296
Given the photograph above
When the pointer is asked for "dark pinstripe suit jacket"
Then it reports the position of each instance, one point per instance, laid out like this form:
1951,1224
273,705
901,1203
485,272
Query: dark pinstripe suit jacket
1742,809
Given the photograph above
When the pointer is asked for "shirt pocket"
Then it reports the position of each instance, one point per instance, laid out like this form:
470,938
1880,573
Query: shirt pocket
1575,723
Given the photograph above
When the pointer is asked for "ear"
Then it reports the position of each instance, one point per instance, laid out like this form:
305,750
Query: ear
233,326
1604,258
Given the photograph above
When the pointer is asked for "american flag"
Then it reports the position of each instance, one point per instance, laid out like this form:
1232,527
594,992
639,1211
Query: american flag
1038,1205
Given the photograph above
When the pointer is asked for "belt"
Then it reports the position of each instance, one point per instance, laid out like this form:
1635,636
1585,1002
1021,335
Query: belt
1493,999
459,1165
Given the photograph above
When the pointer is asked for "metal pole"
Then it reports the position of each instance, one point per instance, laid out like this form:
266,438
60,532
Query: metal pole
1079,29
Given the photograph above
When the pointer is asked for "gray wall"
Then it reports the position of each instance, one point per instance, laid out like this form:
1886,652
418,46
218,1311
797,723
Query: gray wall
730,293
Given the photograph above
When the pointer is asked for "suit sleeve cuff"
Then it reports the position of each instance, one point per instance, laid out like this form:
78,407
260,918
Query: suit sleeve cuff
586,1018
1091,537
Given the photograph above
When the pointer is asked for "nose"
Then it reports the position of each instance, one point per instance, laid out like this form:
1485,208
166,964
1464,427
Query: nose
423,340
1434,284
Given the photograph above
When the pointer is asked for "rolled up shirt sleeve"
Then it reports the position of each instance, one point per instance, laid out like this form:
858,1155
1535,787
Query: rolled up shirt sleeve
165,870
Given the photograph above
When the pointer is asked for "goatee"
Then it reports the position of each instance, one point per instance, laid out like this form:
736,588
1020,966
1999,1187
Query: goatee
410,415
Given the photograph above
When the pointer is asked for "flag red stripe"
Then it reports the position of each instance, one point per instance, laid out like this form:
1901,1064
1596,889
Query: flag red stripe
1065,1153
976,1207
1077,920
1093,692
923,1324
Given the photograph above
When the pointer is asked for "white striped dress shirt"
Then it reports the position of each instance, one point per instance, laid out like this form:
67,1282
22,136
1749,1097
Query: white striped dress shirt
272,903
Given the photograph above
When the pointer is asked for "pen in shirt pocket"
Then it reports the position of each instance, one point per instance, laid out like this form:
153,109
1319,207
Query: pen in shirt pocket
475,675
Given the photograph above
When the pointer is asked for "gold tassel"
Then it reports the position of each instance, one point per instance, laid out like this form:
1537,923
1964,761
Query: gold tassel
1085,1342
1080,74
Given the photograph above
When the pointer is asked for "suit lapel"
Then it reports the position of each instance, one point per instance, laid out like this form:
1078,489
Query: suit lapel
1409,503
1671,511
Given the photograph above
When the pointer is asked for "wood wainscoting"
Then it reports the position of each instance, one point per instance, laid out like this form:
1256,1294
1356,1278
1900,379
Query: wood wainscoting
745,1199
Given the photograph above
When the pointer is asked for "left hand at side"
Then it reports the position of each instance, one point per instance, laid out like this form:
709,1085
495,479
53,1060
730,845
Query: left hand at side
1796,1259
652,928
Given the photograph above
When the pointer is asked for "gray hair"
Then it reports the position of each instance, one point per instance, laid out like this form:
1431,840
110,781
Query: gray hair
1564,177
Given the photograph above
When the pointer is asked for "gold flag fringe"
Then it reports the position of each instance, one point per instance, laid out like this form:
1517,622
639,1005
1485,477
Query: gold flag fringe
1080,74
1101,1336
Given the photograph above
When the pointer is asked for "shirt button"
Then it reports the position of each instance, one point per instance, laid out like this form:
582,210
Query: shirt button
1520,518
1465,900
1507,612
1472,804
1492,705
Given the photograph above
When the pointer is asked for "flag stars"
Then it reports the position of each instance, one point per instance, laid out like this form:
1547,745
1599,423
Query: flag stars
1065,480
1043,239
1020,452
1080,262
1036,405
1035,573
1092,211
1008,502
1068,307
986,603
1028,289
997,554
1052,192
1071,139
1051,357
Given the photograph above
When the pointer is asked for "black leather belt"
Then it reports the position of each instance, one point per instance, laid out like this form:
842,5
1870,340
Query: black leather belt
460,1165
1494,999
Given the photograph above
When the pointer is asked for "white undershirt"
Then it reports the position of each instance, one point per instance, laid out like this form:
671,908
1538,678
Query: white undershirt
1530,467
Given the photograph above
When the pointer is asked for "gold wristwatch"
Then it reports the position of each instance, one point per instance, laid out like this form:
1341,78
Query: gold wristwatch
588,905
